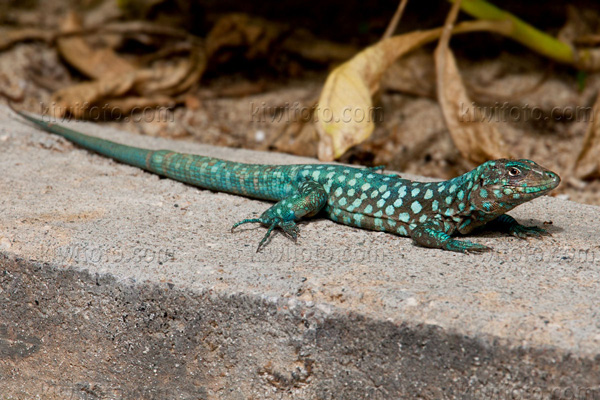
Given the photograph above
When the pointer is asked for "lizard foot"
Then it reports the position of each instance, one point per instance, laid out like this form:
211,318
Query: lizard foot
523,232
464,246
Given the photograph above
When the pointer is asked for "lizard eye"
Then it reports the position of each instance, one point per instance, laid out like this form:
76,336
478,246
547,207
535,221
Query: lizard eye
514,171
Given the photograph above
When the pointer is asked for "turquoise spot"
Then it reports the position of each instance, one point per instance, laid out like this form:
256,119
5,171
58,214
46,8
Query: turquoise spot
402,191
391,222
449,200
366,186
342,201
428,194
378,214
374,194
338,192
415,192
330,175
357,202
497,193
487,205
386,194
330,168
483,193
461,206
389,210
368,209
352,182
452,188
341,178
359,175
416,207
382,188
423,218
398,203
351,192
380,203
316,174
358,219
404,217
402,231
460,195
434,205
378,223
441,187
449,212
370,176
470,185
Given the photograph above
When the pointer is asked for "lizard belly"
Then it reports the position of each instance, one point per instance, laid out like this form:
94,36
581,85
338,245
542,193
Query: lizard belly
365,221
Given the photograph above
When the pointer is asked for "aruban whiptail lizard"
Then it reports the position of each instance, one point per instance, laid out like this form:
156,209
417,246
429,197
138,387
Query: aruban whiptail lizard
428,212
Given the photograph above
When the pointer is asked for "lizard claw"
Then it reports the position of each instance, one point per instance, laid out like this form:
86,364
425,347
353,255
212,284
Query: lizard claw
524,232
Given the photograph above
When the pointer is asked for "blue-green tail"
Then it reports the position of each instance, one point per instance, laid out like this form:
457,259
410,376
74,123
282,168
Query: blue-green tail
252,180
126,154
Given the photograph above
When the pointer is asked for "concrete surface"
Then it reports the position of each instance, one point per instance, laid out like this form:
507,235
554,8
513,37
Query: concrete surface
116,284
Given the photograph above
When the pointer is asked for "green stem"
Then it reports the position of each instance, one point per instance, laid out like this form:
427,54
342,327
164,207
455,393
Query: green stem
521,31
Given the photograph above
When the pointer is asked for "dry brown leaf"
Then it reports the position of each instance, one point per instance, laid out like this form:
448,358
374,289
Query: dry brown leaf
159,82
343,115
11,37
587,165
76,100
94,63
477,141
237,30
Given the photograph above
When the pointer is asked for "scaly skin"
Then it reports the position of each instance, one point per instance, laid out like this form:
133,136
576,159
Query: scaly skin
428,212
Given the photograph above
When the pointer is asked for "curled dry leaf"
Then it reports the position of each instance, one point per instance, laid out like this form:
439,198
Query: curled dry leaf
240,30
115,77
477,141
94,63
344,114
587,165
10,37
155,83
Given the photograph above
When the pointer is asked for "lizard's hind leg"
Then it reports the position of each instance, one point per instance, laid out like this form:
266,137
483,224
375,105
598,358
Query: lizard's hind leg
309,200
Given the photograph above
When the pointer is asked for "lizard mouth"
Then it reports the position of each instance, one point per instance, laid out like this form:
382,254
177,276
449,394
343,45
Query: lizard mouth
535,189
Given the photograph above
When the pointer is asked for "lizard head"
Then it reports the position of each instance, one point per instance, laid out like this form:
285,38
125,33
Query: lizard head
504,184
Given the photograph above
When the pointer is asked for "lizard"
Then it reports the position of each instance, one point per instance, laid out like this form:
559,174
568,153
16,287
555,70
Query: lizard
431,213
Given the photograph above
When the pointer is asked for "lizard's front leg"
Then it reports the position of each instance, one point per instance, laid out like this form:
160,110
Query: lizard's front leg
432,235
508,224
309,200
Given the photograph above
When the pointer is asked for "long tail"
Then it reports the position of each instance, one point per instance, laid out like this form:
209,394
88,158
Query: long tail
269,182
126,154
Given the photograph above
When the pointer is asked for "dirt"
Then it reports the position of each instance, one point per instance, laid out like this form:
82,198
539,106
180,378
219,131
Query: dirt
531,97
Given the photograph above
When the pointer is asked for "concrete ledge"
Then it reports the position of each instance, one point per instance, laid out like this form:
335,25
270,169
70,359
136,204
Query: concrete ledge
116,284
